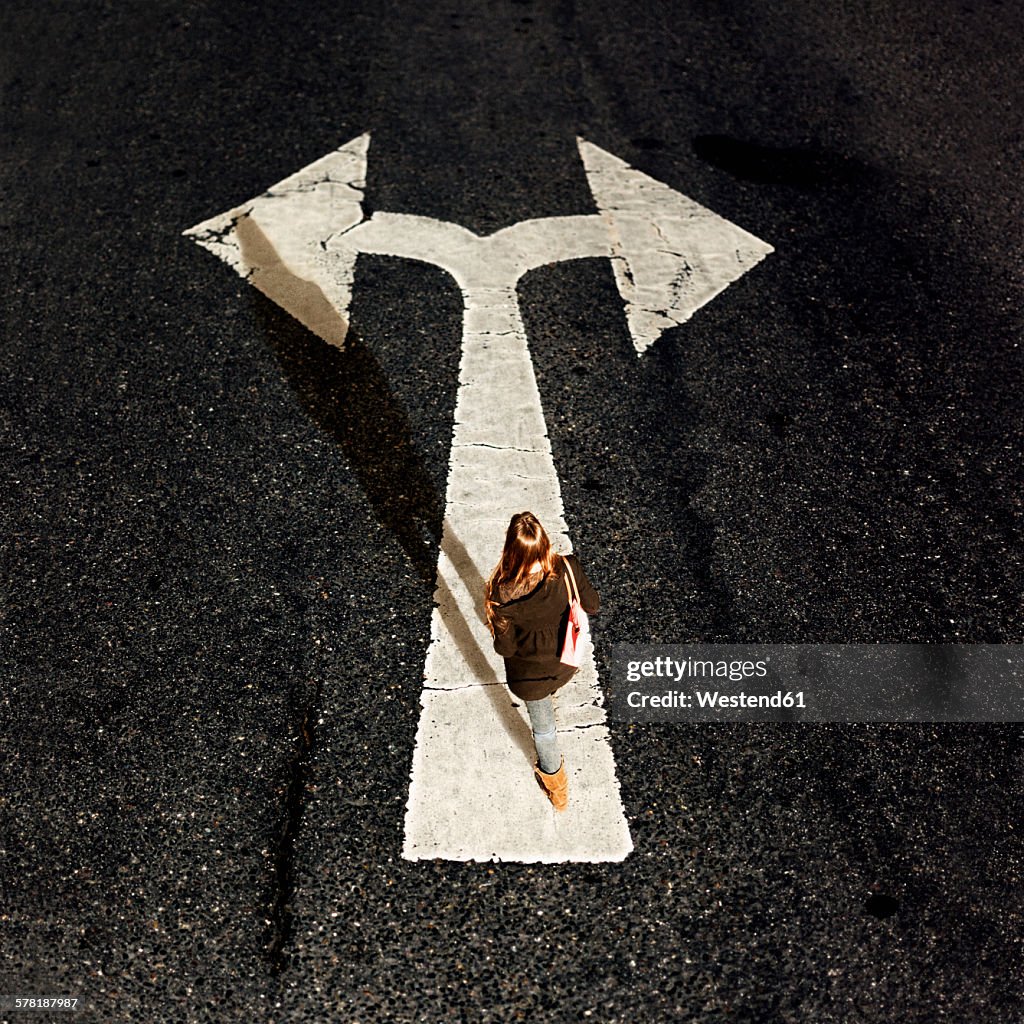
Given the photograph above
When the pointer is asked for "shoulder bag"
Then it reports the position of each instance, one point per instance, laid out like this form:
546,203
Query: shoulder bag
578,627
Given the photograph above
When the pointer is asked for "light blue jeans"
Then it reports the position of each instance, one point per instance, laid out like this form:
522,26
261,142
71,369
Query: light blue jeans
542,721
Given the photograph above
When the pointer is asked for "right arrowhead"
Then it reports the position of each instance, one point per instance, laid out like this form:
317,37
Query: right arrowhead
670,255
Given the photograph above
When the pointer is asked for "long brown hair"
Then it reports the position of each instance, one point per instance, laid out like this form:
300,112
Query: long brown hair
525,543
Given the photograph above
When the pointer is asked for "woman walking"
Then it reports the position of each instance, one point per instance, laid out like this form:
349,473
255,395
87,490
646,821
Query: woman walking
527,605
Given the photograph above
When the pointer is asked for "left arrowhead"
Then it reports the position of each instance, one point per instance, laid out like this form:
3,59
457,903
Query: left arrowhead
277,241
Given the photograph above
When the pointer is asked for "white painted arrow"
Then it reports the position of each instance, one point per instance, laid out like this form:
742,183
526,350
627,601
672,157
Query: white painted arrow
471,794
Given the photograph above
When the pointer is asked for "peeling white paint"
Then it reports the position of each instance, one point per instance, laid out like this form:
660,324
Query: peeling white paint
472,794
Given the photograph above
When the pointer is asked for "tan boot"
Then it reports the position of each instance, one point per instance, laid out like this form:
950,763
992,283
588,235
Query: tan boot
555,785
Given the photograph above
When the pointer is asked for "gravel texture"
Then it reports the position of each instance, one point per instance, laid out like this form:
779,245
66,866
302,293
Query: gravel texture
219,536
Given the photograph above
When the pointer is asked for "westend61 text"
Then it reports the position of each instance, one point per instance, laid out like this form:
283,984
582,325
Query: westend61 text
694,668
707,699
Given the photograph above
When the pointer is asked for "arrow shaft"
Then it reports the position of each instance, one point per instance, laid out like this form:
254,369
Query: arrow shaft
470,794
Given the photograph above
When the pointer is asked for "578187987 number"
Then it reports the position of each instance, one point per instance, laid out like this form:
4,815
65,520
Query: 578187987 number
38,1003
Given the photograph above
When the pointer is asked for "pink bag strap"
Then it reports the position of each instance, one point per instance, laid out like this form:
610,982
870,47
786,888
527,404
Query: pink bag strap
569,590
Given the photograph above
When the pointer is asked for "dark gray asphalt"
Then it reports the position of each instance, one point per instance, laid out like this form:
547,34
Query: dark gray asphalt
219,535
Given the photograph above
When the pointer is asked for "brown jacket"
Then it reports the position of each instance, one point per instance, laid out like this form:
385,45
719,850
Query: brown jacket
530,630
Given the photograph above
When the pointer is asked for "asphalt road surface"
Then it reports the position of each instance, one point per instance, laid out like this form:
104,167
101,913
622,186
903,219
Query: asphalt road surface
219,535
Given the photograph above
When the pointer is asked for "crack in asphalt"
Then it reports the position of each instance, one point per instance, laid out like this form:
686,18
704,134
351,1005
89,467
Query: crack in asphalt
281,913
